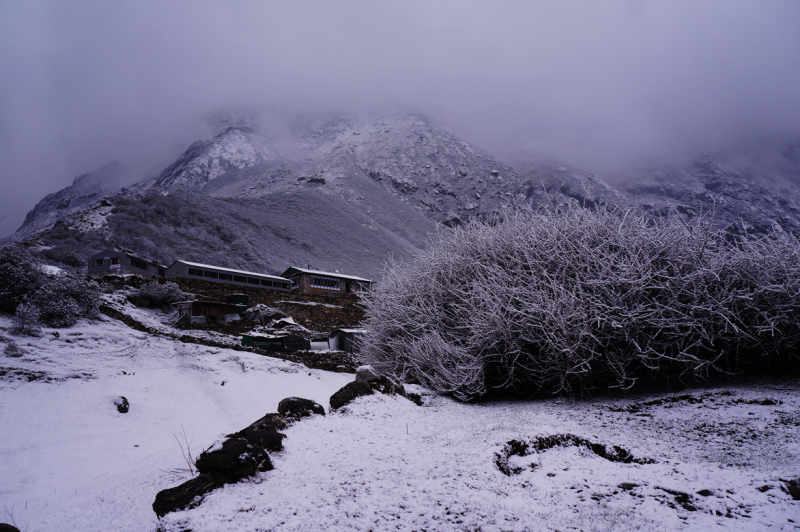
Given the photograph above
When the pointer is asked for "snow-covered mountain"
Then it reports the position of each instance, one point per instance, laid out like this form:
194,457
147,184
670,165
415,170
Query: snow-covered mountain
85,190
236,152
348,192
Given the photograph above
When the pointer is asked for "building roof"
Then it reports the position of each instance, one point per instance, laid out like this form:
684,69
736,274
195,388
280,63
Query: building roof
293,270
220,268
127,254
351,331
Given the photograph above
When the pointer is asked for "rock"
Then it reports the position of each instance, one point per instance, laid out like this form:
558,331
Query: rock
122,404
388,386
792,487
350,391
270,422
263,313
180,497
235,459
367,373
268,440
380,383
298,407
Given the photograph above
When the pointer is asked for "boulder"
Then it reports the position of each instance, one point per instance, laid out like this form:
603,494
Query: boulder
350,391
181,497
235,458
367,373
270,422
387,385
268,440
297,407
379,383
122,405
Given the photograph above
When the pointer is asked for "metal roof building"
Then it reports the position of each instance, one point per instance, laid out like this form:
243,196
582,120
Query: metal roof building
307,281
218,274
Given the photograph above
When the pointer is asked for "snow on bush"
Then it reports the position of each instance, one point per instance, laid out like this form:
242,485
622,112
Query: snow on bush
161,294
567,302
59,302
19,276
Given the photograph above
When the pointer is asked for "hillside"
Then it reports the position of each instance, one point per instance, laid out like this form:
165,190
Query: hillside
348,193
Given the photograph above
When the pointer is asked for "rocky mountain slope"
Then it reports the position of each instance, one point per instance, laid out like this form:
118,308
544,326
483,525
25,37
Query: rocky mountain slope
85,189
349,192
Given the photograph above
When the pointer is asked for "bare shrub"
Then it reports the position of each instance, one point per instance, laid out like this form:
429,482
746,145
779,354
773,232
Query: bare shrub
566,302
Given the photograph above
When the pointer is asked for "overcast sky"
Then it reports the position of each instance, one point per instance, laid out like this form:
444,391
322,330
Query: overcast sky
601,85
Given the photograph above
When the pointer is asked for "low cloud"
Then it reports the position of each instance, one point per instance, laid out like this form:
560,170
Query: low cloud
601,85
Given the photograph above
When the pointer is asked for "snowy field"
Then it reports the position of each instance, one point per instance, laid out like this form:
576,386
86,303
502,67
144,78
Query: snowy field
702,460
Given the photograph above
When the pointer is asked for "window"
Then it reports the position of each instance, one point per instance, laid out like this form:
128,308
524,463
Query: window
196,272
115,260
250,280
285,286
211,275
162,272
295,281
97,262
329,283
225,277
135,263
264,282
239,279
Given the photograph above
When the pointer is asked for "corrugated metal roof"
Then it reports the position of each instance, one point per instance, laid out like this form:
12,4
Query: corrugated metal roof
329,274
230,270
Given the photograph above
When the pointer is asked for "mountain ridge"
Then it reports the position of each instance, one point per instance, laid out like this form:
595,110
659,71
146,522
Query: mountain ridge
389,180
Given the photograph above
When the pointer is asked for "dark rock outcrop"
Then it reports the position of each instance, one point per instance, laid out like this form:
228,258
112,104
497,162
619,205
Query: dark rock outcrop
181,497
268,440
348,392
270,422
367,373
235,459
297,407
388,386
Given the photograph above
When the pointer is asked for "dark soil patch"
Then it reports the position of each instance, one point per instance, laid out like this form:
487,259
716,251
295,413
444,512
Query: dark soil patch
613,453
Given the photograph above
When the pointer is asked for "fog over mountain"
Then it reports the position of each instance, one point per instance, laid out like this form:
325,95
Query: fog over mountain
608,87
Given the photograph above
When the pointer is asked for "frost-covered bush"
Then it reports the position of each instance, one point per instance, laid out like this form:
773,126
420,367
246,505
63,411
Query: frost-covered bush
19,276
567,302
26,319
161,294
59,302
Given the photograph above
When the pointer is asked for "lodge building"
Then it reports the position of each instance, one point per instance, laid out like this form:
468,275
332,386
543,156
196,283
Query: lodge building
297,280
306,281
111,261
217,274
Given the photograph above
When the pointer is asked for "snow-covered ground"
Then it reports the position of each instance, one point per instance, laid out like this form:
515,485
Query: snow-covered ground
705,459
70,461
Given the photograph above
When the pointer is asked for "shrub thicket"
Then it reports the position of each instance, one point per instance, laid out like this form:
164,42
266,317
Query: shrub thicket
59,302
19,276
572,301
161,294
